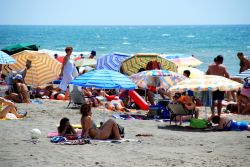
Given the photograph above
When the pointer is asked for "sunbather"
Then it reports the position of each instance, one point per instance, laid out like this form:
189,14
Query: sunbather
10,108
21,92
116,104
225,123
89,129
65,129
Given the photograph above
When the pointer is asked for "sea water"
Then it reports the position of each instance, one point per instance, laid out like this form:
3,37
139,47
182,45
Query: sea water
204,42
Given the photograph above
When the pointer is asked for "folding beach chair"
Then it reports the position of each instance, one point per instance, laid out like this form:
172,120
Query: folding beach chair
76,96
177,109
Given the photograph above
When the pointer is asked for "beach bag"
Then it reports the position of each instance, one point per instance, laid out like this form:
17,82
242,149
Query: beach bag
198,123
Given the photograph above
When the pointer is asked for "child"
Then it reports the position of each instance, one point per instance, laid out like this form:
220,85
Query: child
66,130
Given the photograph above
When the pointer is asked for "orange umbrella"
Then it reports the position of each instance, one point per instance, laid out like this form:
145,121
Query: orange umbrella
44,69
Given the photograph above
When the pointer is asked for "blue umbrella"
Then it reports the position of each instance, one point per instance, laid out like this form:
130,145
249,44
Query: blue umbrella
243,74
111,61
105,79
6,59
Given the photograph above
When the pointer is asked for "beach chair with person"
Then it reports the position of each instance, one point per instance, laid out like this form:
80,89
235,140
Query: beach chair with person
183,105
76,96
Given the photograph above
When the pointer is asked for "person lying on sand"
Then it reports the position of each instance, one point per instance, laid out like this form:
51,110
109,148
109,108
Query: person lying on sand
9,108
65,129
225,123
109,129
116,104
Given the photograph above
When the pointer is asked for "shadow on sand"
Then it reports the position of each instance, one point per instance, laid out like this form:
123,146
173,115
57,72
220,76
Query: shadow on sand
185,128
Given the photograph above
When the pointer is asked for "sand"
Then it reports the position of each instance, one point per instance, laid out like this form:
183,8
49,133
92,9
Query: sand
169,145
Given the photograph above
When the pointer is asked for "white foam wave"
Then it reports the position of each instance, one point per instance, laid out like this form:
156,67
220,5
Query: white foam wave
165,35
126,43
190,36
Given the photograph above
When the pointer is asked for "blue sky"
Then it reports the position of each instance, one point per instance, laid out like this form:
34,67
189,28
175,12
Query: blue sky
124,12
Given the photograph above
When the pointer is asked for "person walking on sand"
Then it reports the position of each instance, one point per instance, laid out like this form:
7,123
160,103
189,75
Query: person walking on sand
67,70
217,68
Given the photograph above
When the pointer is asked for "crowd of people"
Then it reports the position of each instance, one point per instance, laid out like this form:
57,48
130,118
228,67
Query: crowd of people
19,92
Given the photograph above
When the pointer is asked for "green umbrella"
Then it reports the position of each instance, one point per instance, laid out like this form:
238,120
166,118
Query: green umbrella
12,49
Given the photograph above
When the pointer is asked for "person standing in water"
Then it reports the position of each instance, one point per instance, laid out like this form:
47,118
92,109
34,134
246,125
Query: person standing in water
244,62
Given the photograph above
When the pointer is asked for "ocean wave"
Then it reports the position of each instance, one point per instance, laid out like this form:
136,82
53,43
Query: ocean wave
165,35
190,36
126,43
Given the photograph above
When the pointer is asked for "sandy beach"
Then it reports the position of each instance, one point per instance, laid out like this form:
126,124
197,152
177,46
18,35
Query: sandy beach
169,145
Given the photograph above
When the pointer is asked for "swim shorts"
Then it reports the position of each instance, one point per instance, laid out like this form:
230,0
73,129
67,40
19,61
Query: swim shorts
218,95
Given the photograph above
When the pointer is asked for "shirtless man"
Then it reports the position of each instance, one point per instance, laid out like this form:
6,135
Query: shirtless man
244,62
217,68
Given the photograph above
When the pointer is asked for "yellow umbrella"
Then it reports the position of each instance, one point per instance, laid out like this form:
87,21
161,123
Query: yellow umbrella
206,83
44,69
194,72
140,60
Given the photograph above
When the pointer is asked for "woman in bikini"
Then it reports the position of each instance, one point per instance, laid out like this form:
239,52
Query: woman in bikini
89,129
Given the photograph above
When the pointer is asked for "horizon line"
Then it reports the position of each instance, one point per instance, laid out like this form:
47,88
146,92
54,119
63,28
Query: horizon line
124,24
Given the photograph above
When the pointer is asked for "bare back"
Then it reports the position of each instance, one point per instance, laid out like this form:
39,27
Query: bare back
217,69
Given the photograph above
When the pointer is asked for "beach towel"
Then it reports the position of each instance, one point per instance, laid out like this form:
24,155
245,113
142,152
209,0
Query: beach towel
129,116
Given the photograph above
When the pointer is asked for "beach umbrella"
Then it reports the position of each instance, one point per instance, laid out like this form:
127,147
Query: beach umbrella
85,62
12,49
183,60
104,79
206,83
111,61
157,78
132,64
44,69
6,59
243,74
194,72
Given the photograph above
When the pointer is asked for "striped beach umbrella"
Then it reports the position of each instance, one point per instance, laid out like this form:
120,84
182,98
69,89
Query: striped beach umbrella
243,74
133,64
206,83
111,61
6,59
105,79
183,60
157,78
44,69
